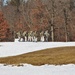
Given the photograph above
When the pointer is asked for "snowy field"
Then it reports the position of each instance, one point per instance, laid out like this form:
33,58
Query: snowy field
16,48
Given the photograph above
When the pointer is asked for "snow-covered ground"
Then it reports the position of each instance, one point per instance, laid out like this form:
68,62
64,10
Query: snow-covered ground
16,48
38,70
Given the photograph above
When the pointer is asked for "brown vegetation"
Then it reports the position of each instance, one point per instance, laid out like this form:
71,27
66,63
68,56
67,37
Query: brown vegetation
56,56
5,32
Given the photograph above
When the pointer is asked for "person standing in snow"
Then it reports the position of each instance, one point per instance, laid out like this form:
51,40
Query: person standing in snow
19,36
30,36
34,36
42,36
25,36
46,35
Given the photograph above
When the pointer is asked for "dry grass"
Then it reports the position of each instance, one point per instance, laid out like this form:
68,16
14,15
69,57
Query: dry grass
56,56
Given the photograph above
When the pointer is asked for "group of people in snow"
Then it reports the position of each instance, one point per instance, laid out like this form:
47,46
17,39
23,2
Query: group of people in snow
33,36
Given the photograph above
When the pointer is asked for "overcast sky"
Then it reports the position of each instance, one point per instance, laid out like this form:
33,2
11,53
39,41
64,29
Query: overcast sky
6,0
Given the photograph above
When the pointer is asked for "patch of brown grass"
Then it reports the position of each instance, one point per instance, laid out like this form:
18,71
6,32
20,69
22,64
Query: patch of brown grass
56,56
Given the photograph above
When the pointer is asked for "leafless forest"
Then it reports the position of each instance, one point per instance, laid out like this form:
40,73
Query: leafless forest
56,16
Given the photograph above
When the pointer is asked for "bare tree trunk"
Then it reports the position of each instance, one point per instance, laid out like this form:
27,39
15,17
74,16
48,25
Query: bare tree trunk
1,5
24,15
52,21
51,18
28,14
65,18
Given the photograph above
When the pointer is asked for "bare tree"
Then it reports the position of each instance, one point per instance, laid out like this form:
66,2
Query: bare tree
51,17
52,21
65,18
24,14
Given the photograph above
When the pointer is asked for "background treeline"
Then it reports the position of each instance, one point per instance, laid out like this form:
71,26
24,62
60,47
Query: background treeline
56,16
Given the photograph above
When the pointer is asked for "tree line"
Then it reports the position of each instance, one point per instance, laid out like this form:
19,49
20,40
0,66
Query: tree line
56,16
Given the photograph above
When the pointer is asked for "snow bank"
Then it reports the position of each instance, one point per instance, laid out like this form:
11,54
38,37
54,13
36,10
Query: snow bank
16,48
38,70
